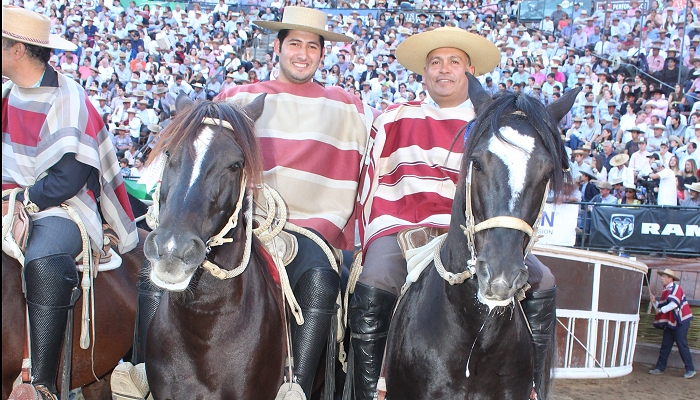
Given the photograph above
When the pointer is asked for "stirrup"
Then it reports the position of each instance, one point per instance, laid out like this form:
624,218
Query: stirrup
129,382
27,391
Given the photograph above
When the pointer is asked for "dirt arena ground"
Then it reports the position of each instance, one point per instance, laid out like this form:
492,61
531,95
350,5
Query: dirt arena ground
638,385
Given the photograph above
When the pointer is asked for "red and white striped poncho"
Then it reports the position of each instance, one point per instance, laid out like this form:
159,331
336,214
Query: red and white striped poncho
39,126
673,293
411,178
313,142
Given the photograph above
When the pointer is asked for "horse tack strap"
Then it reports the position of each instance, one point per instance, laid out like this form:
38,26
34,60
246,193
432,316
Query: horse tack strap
217,122
504,222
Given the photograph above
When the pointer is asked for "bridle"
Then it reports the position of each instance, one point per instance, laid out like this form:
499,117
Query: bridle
470,229
218,239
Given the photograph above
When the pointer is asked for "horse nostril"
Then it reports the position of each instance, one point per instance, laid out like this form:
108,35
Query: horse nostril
195,253
150,247
483,270
520,277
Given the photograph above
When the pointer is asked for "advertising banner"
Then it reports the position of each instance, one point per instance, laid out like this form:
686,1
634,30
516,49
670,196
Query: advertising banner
558,225
650,229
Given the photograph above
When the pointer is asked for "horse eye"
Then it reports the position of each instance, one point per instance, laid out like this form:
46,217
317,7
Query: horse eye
236,166
476,164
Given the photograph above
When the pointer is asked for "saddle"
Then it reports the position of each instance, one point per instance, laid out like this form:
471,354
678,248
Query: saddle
413,238
16,225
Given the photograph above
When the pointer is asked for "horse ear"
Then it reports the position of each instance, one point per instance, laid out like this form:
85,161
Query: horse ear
254,109
183,102
559,108
477,94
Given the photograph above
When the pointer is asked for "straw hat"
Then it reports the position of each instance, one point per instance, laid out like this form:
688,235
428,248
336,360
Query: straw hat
619,159
304,19
603,185
587,170
695,187
669,272
413,52
153,128
29,27
616,181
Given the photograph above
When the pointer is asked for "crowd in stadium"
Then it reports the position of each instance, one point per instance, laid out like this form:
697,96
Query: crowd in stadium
634,128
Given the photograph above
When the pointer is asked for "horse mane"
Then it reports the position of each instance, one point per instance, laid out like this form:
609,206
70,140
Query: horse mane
529,110
184,129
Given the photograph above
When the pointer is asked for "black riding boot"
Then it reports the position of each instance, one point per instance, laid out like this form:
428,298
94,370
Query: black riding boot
50,282
316,292
369,315
148,301
540,309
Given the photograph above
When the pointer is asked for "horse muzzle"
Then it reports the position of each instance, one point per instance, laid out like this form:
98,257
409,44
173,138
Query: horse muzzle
173,259
498,288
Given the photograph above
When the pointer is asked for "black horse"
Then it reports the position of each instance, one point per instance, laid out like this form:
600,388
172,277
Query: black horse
212,338
470,340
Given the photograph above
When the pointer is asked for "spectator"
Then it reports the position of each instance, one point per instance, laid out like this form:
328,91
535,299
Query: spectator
667,184
692,198
630,195
673,315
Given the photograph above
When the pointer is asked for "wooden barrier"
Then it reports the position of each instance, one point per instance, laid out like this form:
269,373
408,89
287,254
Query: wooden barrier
597,311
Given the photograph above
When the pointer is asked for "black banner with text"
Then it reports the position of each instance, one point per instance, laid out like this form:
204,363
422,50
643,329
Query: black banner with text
651,229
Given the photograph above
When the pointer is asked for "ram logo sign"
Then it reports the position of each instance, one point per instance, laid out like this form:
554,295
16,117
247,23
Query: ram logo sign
621,226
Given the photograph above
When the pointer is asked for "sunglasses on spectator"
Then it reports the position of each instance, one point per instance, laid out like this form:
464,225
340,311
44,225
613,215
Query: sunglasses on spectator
629,191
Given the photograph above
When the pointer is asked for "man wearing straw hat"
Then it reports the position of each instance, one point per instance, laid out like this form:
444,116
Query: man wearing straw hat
443,56
314,141
57,150
673,315
693,197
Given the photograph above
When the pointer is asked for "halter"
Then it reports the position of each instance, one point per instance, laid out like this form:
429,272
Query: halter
470,229
217,240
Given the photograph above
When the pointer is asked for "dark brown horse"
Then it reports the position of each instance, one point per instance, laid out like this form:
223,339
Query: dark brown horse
115,310
468,339
211,338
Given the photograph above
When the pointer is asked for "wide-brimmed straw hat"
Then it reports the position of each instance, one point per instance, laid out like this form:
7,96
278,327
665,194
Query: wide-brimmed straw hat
304,19
695,187
413,52
29,27
603,185
669,272
619,159
587,170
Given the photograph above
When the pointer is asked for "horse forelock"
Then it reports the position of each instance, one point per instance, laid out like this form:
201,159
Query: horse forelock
522,114
186,130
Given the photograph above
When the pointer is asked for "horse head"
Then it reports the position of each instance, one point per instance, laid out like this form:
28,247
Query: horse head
209,150
513,156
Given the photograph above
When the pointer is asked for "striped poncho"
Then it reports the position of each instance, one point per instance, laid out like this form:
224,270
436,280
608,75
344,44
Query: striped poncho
673,293
313,141
39,126
411,178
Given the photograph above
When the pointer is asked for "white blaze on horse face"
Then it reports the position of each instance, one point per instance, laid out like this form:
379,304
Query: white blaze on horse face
514,157
201,145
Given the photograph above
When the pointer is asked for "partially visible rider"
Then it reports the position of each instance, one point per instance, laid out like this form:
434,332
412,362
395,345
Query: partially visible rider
57,149
410,182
